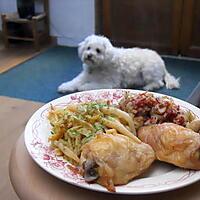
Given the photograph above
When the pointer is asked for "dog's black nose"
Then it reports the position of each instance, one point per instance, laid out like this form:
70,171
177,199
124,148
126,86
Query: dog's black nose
89,56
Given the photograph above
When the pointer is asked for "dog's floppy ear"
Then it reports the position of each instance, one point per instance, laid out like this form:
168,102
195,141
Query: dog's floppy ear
106,42
81,47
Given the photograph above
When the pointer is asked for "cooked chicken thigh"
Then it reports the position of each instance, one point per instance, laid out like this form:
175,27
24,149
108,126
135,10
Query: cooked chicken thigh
173,144
114,159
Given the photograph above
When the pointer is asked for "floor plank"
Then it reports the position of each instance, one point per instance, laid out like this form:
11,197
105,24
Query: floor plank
17,53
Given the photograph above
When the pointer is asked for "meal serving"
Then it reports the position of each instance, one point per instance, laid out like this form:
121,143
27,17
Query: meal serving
111,144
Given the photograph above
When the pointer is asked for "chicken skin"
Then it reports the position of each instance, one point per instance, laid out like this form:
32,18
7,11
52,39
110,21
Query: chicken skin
114,159
173,143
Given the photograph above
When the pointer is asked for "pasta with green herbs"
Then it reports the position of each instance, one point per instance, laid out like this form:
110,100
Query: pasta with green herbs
76,124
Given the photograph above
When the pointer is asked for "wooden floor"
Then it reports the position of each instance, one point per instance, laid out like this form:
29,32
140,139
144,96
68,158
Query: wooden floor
16,54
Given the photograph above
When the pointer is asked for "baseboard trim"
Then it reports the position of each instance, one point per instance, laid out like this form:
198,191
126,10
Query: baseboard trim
181,57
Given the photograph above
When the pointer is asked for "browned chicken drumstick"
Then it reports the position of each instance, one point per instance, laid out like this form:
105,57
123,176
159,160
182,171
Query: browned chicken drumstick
114,159
173,144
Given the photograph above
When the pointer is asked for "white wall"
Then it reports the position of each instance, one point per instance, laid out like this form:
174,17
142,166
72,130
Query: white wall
7,6
70,20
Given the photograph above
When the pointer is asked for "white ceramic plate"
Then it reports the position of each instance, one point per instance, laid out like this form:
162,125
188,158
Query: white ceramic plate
159,178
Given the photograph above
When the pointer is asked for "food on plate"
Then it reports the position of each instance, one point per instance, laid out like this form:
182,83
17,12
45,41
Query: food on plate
114,159
173,143
145,109
76,124
113,143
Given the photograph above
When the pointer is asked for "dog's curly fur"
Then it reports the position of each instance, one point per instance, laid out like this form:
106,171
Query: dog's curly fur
105,66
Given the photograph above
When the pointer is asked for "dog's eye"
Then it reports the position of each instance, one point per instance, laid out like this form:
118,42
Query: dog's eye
88,48
98,50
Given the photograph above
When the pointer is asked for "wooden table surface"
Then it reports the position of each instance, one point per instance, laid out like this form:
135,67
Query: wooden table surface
14,114
32,182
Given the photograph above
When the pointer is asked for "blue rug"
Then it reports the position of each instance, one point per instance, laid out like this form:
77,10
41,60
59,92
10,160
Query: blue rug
38,78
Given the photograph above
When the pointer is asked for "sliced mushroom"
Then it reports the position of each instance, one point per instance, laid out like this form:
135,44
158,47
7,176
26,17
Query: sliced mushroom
90,171
194,125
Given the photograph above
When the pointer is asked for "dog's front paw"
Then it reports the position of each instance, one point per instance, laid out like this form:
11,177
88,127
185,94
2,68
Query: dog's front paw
154,85
148,88
66,87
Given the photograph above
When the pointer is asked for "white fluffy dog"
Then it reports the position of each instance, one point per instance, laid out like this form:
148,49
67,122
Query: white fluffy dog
105,66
